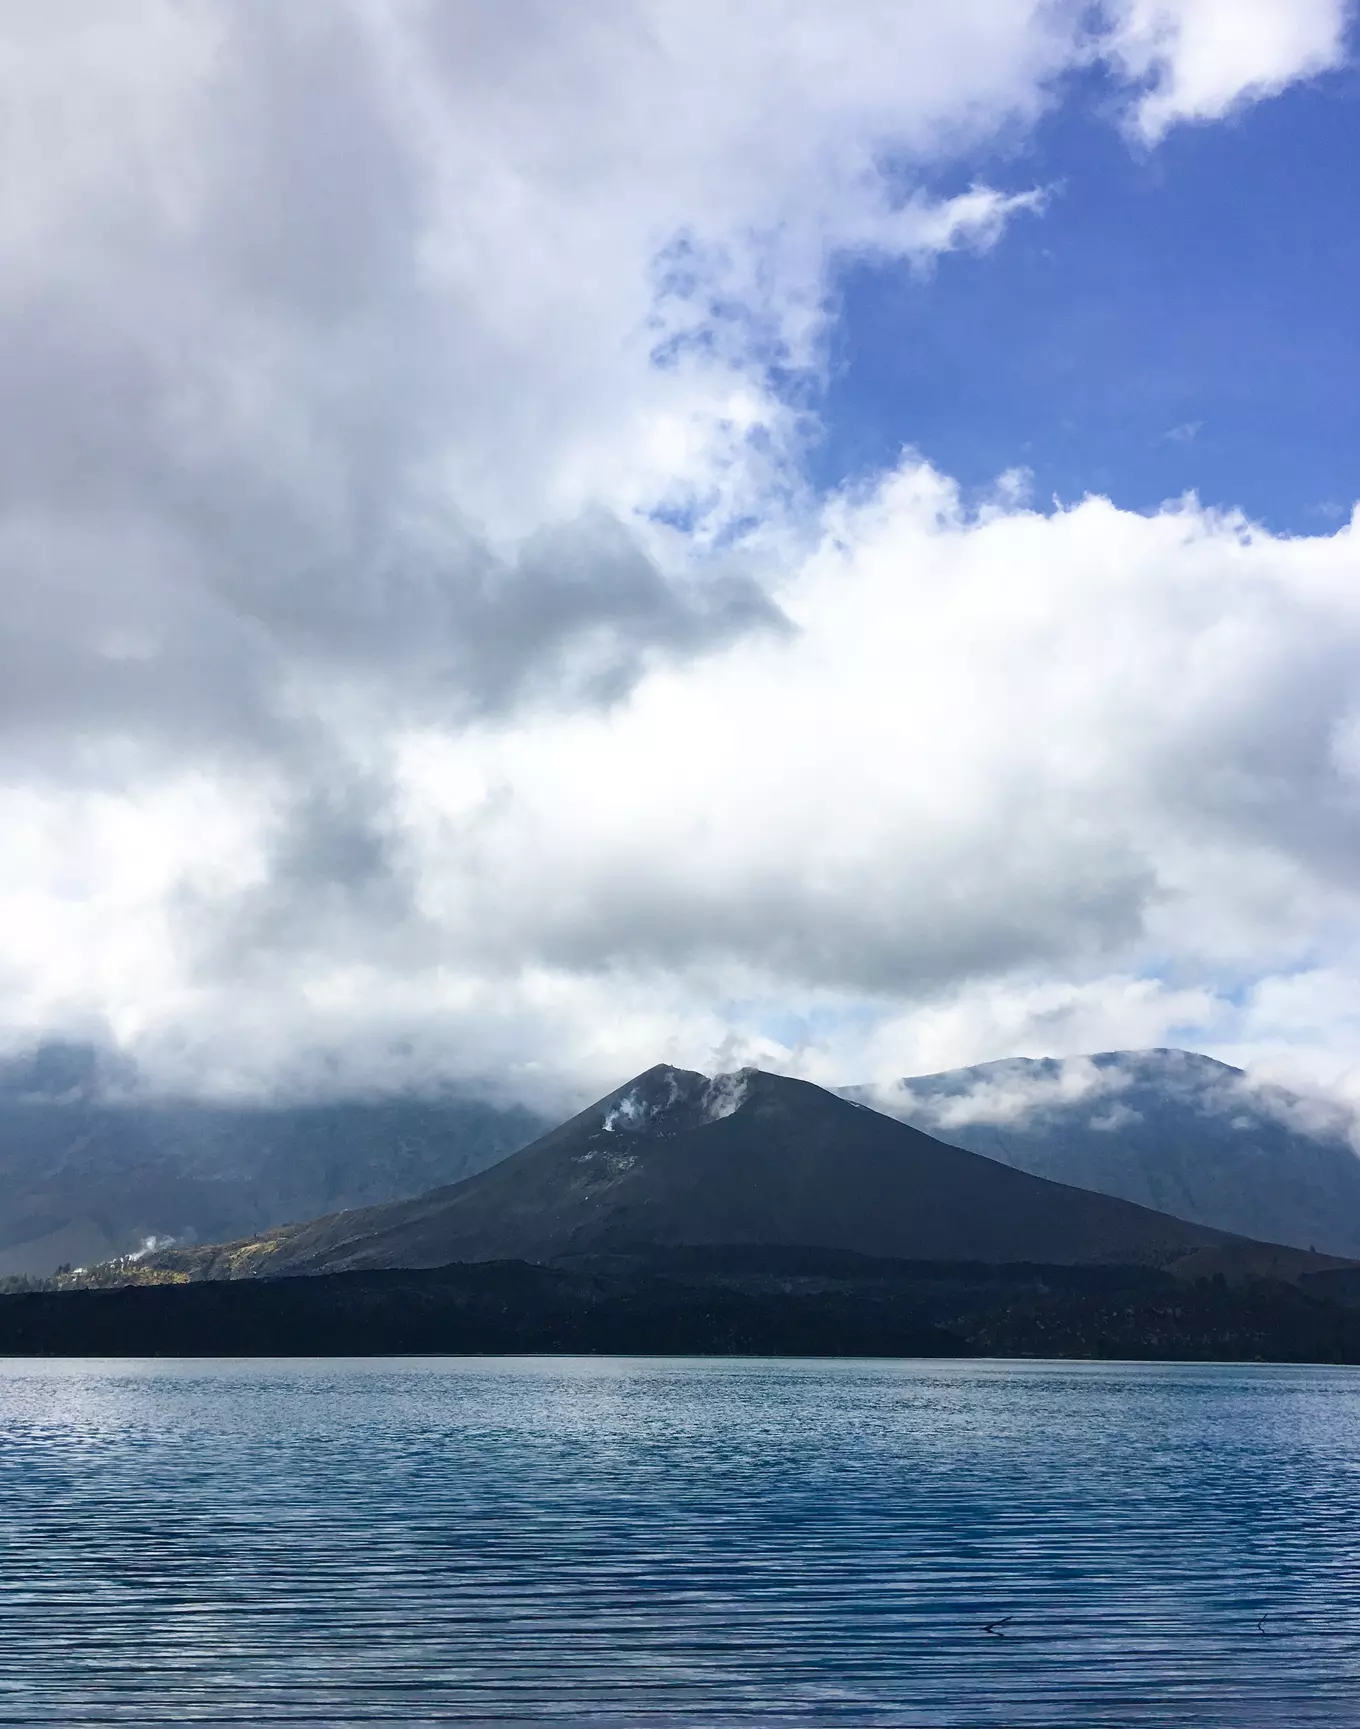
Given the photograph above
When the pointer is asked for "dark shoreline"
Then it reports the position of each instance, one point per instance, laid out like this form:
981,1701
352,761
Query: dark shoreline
707,1302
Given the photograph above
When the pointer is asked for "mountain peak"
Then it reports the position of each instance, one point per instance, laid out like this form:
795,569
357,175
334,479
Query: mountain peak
667,1101
677,1158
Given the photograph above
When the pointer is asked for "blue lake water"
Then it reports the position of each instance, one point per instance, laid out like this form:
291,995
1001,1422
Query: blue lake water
660,1542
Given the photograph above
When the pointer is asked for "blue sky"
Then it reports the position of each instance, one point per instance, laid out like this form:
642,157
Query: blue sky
1179,318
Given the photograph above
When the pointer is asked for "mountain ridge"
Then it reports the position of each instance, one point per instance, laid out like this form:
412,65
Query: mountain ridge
1173,1130
90,1170
674,1158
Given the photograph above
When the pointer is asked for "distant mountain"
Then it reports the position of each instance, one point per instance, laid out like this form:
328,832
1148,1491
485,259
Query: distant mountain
88,1171
1168,1129
674,1159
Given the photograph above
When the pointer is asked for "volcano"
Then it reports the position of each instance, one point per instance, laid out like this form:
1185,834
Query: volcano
675,1158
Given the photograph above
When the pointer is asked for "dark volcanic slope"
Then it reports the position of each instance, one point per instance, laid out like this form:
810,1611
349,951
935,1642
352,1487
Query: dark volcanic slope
674,1158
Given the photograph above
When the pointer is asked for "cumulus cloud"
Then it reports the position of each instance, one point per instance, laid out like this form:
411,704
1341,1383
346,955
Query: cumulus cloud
994,752
992,743
1199,59
424,656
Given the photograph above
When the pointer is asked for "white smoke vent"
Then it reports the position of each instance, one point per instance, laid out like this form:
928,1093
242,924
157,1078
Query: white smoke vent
724,1094
670,1104
630,1112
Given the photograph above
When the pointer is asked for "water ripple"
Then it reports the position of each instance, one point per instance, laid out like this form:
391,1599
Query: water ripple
620,1541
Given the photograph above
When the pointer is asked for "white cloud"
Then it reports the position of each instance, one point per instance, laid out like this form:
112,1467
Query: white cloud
420,641
991,744
1003,765
1300,1028
1199,59
1011,1092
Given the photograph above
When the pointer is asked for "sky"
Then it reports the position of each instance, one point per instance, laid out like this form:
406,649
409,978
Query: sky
538,540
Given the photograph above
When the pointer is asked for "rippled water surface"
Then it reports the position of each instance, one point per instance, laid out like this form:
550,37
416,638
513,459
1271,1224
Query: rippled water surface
631,1541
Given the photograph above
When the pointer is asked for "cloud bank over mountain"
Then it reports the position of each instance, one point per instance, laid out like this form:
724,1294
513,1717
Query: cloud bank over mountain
1180,1133
427,655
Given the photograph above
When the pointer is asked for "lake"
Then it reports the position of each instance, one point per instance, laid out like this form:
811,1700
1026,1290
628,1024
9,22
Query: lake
678,1541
